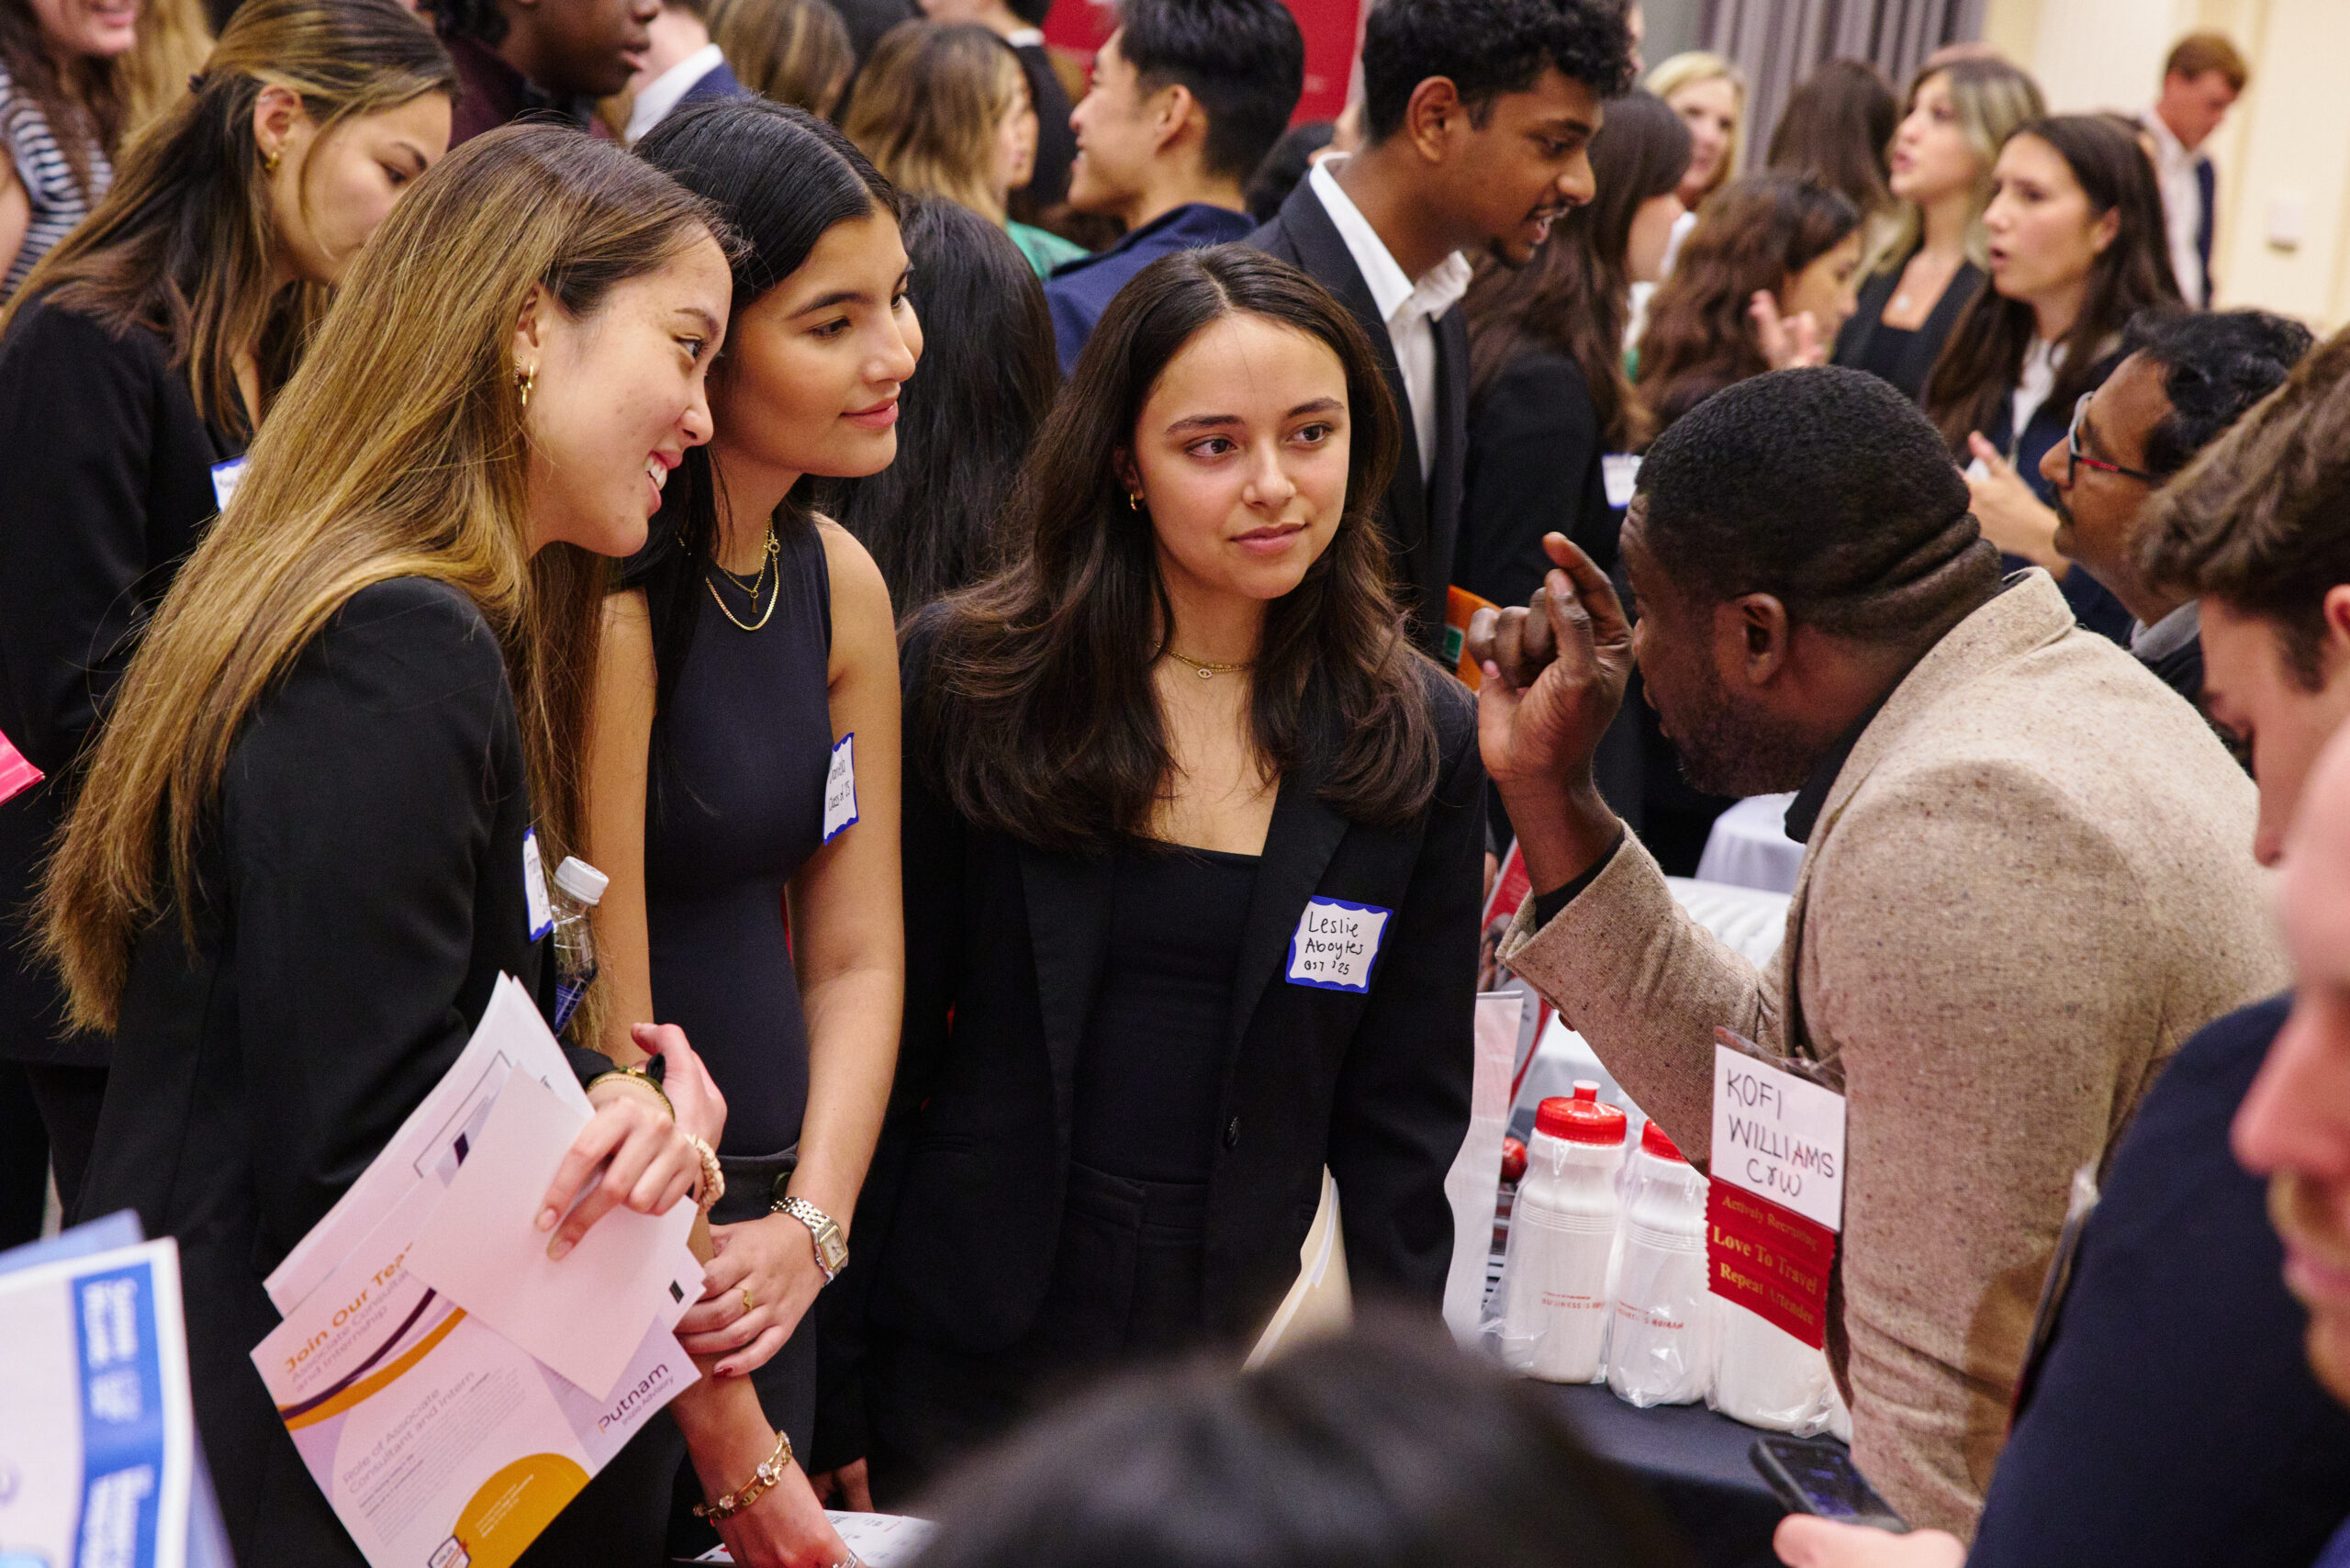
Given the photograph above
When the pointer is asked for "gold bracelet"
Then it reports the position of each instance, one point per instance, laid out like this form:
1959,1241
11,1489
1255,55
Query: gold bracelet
639,1077
713,1179
751,1491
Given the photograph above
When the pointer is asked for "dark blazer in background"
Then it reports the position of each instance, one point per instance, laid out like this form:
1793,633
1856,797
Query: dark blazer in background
364,870
1533,468
718,81
1925,344
1079,291
2181,669
2172,1421
106,468
2093,603
958,1221
1421,513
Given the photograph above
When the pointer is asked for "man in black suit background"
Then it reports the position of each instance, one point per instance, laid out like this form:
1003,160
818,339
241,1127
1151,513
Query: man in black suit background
1478,117
2185,378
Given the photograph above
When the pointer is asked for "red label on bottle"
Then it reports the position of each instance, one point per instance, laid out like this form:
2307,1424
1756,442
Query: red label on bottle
1769,1259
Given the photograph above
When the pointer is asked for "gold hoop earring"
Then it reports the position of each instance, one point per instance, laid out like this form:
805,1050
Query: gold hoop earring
1134,501
270,159
526,382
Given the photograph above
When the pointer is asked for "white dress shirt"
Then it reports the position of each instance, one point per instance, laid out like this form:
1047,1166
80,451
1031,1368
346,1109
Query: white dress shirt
2169,635
662,94
2182,207
1410,308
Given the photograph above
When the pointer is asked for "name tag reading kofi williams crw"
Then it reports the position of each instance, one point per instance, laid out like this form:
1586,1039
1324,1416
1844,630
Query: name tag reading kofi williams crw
226,478
840,789
1619,474
1336,944
536,906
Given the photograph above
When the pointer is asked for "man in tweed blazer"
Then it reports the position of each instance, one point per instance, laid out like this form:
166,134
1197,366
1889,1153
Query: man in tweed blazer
2026,879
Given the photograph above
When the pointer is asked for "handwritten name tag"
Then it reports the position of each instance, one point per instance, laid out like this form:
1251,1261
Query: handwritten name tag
1337,944
840,789
1779,1136
537,907
226,478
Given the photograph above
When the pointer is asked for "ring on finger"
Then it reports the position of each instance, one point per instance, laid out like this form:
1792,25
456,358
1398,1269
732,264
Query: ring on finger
747,1302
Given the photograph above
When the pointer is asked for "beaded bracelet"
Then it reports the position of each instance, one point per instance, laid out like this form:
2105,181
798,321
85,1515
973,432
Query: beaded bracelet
751,1491
713,1178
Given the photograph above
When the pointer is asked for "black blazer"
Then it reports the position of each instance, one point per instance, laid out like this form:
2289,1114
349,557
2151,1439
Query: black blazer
961,1219
2172,1421
1421,513
365,874
1925,345
1534,467
106,468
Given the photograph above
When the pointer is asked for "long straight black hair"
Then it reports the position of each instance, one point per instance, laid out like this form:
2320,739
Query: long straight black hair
780,178
1041,719
931,518
1984,360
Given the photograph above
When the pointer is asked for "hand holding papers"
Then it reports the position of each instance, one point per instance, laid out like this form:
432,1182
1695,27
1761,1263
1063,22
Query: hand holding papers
449,1386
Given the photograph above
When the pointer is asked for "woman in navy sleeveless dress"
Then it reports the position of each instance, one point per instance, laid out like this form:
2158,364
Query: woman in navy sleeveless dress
745,772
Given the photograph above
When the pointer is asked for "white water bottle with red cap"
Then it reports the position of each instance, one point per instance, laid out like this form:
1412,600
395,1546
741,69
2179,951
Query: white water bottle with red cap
1656,1349
1554,1278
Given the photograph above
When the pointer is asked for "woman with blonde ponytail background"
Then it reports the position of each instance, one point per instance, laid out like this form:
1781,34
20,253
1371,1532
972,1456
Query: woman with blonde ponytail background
134,365
297,868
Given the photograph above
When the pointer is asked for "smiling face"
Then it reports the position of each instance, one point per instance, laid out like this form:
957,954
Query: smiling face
330,192
93,29
1117,134
1521,170
810,384
2044,238
618,397
1824,287
1709,108
1932,160
2294,1124
1240,459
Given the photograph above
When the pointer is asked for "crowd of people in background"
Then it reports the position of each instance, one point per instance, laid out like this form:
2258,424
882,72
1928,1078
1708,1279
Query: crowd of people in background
442,441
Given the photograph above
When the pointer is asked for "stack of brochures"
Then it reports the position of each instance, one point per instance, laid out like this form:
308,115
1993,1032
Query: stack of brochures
449,1386
98,1457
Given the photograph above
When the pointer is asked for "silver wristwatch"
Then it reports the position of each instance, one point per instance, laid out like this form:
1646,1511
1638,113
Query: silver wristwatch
831,1251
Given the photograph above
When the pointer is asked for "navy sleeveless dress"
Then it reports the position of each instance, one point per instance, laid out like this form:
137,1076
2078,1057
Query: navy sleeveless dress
735,805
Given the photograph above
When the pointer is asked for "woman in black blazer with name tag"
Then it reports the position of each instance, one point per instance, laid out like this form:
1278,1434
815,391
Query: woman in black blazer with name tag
1192,850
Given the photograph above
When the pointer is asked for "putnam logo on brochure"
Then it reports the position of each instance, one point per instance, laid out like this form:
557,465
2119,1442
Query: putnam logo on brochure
626,1406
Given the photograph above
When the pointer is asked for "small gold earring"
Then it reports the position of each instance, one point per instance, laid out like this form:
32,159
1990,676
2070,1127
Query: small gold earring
270,159
525,381
1133,501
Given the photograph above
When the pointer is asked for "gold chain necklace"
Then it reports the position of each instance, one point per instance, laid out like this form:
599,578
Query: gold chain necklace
1203,668
758,579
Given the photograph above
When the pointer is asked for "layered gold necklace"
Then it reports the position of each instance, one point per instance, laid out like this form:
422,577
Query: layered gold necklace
767,580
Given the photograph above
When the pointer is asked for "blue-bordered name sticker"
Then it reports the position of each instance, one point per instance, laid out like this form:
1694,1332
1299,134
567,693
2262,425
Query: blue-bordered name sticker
1336,944
537,907
840,789
226,478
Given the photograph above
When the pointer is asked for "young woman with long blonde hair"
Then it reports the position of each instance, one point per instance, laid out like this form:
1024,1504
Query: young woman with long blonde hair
301,861
134,366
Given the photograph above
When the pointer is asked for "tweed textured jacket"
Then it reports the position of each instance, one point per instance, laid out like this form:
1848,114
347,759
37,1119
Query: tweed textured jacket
2032,880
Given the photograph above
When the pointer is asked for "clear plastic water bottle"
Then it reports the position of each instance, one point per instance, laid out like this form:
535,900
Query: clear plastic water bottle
1562,1233
1656,1353
578,888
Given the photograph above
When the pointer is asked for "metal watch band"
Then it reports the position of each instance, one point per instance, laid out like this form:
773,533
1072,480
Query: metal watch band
831,1252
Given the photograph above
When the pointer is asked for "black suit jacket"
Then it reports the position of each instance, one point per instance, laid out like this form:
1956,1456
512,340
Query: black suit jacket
364,881
1925,345
1421,514
2172,1421
961,1217
106,468
1535,448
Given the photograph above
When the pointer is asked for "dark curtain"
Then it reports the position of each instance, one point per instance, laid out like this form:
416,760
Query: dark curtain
1778,44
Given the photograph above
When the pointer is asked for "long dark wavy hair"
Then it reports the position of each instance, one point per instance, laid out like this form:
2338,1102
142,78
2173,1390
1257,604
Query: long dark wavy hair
931,518
1984,360
1040,716
1755,232
1574,297
780,178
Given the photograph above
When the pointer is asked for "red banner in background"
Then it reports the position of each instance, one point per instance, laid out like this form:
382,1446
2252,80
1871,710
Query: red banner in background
1077,27
1771,1260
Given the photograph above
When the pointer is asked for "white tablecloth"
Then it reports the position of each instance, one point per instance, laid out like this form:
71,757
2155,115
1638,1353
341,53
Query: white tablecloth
1750,848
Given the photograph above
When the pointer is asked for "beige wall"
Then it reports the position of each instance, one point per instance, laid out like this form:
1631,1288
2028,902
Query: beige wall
2287,139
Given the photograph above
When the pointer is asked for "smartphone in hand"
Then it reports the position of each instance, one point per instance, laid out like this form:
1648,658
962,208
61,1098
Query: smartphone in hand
1820,1478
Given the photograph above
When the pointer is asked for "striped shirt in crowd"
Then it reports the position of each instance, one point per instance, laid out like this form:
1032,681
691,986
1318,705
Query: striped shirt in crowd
59,201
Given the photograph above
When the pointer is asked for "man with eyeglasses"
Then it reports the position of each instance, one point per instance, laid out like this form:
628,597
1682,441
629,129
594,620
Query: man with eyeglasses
2186,377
